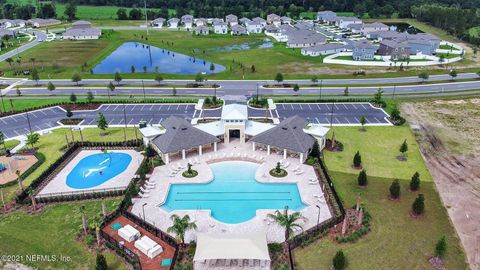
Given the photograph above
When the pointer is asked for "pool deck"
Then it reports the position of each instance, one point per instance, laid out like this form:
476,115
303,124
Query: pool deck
310,193
58,186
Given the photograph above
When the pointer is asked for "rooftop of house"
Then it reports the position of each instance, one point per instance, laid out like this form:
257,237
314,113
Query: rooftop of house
324,47
201,28
77,32
375,25
364,44
394,43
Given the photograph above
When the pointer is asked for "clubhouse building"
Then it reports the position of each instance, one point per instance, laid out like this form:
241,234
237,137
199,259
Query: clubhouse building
176,138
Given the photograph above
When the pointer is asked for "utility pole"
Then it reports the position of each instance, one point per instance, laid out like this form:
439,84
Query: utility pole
125,120
3,103
321,84
331,114
394,87
146,19
28,121
143,87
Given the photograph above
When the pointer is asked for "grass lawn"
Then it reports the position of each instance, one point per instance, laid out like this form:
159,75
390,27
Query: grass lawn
51,146
54,232
447,55
447,47
396,241
379,147
350,58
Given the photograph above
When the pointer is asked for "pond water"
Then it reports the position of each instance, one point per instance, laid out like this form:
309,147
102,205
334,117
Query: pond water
142,56
405,27
263,43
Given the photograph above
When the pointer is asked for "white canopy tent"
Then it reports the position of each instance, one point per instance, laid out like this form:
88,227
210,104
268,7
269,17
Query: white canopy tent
232,250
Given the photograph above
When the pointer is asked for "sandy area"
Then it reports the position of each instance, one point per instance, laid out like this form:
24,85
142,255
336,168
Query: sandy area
448,135
14,163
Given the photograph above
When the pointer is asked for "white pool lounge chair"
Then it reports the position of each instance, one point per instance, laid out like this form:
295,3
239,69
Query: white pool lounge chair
144,195
261,158
296,168
144,190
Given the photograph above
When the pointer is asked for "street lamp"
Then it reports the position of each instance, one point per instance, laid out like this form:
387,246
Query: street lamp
143,208
3,103
321,84
28,121
331,114
125,120
318,217
143,87
394,87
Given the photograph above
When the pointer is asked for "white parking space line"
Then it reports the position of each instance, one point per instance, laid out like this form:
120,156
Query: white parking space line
318,106
91,121
151,107
309,106
301,108
142,108
116,107
346,108
363,106
317,120
378,121
168,109
292,106
178,106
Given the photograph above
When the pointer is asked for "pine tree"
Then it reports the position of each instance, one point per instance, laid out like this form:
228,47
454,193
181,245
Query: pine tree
415,182
339,261
102,122
76,78
296,88
441,247
363,121
357,160
362,178
50,86
101,263
315,150
404,148
395,189
279,77
73,98
90,97
418,206
117,78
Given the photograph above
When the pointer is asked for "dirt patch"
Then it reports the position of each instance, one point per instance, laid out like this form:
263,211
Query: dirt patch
454,166
81,106
14,163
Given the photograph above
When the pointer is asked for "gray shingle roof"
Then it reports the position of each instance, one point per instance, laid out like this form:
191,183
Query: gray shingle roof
79,32
179,135
287,135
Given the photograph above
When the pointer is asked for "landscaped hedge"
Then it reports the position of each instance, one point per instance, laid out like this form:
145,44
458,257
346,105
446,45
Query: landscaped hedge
40,159
126,101
382,103
20,198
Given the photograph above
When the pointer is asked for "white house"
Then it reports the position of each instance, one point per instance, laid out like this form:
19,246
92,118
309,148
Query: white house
37,23
158,22
324,49
368,28
82,30
238,30
201,30
259,20
343,22
220,27
273,19
187,21
285,20
231,20
173,22
253,27
201,21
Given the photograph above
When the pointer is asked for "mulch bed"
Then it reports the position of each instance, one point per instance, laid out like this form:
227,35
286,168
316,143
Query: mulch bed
337,148
81,106
401,158
71,121
352,223
436,263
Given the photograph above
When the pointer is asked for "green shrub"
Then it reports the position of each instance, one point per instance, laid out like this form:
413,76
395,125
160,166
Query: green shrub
362,178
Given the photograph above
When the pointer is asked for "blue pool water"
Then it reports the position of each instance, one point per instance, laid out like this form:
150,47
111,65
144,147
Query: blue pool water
86,173
141,55
234,195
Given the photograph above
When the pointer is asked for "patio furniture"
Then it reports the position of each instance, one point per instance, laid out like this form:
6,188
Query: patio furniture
166,262
144,190
144,195
128,233
148,247
117,225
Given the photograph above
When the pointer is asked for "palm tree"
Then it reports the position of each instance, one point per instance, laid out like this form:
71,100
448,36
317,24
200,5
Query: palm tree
30,193
84,219
287,221
19,179
96,225
180,226
9,61
33,62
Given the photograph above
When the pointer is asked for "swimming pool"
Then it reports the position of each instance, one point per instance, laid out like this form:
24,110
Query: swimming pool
96,169
234,195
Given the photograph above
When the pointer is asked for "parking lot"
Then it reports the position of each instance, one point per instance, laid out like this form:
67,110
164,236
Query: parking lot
16,125
339,114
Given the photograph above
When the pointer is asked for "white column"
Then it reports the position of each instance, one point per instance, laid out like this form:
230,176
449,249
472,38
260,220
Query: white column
183,153
200,150
215,146
268,149
167,160
284,153
253,146
301,157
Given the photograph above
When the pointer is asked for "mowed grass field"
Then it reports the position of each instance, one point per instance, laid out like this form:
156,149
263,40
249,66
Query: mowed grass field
52,145
397,241
54,231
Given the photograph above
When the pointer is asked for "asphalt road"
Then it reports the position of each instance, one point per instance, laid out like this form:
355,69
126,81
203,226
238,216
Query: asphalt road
40,37
153,114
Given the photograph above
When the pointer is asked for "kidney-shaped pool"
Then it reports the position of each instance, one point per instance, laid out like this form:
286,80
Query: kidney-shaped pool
96,169
234,195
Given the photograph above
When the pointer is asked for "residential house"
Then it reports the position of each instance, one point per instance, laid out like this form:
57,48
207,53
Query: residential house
424,43
355,28
261,21
304,38
158,22
391,35
273,19
343,22
231,20
374,27
271,29
187,21
6,23
220,27
324,49
285,20
82,30
201,30
201,21
326,16
7,33
396,50
37,23
173,22
253,27
243,21
363,50
237,30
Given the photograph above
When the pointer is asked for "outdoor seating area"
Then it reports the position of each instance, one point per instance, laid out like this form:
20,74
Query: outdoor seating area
151,250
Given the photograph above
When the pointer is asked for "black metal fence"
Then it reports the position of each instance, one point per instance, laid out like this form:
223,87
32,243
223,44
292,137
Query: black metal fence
55,167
